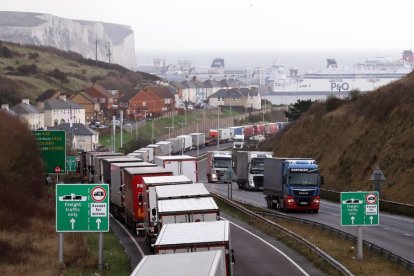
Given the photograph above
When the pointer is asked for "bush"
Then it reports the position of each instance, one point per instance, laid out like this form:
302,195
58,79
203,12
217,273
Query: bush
59,75
354,95
332,103
34,55
5,52
28,70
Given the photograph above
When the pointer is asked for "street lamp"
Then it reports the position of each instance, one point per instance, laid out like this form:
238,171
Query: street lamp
377,178
218,126
169,136
182,127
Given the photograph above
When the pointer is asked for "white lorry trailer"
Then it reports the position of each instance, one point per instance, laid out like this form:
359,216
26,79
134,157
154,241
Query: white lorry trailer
200,236
179,165
207,263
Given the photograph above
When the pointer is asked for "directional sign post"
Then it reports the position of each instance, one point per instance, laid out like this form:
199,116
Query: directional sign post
52,144
359,209
82,208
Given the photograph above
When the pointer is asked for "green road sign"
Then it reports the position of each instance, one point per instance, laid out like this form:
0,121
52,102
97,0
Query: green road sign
71,163
82,208
359,208
52,144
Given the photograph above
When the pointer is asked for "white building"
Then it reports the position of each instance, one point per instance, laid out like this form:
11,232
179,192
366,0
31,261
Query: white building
79,136
30,114
58,111
236,97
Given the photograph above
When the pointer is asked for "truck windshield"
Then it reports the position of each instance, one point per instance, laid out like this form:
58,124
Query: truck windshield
257,164
303,179
222,162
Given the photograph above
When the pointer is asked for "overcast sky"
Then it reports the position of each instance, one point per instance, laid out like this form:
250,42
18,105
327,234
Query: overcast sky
245,24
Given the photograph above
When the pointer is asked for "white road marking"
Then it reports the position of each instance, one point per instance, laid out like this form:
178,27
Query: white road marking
132,238
275,248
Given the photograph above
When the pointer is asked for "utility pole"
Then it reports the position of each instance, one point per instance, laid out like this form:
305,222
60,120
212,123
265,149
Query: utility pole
96,50
109,52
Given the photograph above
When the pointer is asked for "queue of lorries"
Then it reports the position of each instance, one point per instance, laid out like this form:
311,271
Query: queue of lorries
156,194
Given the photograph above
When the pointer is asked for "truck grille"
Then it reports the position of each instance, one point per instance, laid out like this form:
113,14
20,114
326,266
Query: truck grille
304,193
258,181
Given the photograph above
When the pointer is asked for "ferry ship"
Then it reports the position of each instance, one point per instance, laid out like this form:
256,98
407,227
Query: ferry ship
367,76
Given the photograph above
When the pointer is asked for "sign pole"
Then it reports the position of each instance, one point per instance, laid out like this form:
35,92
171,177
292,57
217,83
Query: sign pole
360,254
60,247
100,254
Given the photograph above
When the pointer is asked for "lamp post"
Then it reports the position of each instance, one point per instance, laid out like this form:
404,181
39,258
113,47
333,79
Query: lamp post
169,136
182,127
218,126
377,178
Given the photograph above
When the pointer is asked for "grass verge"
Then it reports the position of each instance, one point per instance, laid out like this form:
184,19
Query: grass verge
342,250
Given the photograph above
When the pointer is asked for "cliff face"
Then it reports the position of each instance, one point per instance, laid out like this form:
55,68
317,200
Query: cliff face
71,35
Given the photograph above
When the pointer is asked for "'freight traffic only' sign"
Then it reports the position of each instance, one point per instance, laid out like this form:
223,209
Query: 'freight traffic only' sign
82,208
359,208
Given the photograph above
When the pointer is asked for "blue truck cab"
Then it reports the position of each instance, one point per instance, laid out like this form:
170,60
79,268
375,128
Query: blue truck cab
292,184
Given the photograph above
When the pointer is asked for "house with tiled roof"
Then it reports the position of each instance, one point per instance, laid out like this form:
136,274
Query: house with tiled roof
30,114
150,100
236,97
79,136
178,90
103,97
58,111
92,107
6,108
47,95
189,92
212,86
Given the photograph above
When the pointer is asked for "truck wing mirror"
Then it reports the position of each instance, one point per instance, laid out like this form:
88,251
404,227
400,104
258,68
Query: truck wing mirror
322,180
233,258
153,212
140,198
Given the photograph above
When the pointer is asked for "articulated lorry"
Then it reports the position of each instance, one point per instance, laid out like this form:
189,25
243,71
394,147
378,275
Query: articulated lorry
205,263
248,166
196,237
218,163
292,184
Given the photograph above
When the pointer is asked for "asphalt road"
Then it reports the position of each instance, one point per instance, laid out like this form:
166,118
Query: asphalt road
255,252
395,233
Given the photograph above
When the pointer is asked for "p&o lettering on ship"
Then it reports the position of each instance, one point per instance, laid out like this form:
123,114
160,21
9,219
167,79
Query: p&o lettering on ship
344,86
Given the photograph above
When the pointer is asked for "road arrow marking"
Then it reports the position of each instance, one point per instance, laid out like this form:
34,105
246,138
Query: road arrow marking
352,219
72,221
98,222
371,218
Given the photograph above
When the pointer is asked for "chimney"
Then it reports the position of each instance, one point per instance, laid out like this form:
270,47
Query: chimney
25,101
5,106
62,97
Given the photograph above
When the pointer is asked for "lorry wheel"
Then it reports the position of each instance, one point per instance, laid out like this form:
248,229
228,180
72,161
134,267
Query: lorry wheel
240,186
315,211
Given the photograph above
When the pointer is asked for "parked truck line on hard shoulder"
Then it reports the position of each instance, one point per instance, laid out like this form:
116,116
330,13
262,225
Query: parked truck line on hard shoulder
292,184
248,166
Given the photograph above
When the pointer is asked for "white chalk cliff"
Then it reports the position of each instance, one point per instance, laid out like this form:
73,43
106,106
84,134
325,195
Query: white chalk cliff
71,35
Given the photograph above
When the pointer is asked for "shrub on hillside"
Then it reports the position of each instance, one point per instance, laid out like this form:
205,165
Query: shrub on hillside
59,75
21,179
27,70
354,95
5,52
333,103
34,55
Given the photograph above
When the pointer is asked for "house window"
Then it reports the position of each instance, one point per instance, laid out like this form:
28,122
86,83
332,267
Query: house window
144,103
167,101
